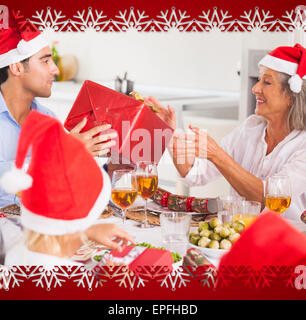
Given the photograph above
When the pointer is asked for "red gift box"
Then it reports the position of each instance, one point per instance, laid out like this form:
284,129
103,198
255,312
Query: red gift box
137,257
142,135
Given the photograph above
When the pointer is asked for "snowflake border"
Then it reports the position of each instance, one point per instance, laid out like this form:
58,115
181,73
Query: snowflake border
173,19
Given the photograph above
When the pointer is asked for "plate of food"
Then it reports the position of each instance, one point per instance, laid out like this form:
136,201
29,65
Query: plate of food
214,238
99,254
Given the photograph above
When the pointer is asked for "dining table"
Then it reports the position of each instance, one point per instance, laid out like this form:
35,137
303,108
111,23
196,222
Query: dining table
11,230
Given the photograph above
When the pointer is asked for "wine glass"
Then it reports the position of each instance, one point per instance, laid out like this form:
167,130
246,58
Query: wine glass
278,193
124,189
147,182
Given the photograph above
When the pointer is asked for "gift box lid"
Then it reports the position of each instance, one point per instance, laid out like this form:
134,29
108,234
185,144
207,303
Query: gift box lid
98,99
140,256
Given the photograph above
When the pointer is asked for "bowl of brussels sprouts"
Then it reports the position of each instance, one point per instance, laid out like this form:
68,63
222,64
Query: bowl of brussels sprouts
214,238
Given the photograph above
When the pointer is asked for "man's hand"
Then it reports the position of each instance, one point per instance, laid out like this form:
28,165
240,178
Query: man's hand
99,145
109,235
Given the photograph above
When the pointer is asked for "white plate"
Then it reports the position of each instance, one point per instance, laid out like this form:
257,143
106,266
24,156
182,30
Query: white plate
215,254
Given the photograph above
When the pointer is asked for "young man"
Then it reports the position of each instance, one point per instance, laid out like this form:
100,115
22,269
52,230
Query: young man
28,71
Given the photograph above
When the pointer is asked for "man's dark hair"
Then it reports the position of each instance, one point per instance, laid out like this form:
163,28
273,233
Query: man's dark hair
3,74
4,71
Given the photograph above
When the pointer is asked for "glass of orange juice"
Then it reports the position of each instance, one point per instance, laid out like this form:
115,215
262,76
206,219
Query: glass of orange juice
246,211
278,193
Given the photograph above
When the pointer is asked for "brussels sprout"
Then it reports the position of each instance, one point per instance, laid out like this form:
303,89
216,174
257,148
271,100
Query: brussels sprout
227,225
215,236
214,244
238,226
218,229
205,233
194,239
225,244
194,233
234,237
232,231
214,222
204,242
225,232
203,225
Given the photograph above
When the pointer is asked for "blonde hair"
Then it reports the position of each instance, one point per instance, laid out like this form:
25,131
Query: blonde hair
43,243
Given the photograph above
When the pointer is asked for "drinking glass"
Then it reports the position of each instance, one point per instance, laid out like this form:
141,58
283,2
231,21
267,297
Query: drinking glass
147,182
124,189
175,228
278,193
225,207
246,211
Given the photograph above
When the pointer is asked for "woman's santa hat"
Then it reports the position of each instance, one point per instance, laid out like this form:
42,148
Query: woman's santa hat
289,60
65,191
19,41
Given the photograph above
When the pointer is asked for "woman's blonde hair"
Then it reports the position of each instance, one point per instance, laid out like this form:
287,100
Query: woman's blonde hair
297,114
44,243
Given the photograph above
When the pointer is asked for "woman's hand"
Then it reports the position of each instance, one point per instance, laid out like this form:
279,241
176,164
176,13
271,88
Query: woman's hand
109,235
167,115
99,145
246,184
185,147
204,146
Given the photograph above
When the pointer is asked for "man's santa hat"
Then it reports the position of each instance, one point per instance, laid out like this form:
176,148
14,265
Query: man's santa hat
19,41
64,190
289,60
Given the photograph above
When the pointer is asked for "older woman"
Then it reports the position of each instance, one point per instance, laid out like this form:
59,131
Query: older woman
273,141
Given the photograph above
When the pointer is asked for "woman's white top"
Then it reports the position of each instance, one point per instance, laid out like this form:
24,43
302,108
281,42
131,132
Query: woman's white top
247,146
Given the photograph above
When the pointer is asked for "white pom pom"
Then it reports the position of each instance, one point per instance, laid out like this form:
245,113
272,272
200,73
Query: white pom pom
295,83
15,180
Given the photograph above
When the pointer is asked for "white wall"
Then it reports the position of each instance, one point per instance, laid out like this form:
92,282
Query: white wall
193,60
180,59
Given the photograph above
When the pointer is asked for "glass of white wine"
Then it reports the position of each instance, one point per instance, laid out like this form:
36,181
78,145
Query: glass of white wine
124,189
278,193
147,182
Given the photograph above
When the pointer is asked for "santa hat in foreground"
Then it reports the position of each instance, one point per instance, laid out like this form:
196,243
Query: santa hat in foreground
289,60
19,41
65,191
